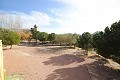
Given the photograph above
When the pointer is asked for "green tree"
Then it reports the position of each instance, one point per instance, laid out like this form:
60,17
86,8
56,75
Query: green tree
10,38
107,42
42,36
51,37
75,39
1,31
99,42
66,39
59,39
112,38
85,41
69,39
35,33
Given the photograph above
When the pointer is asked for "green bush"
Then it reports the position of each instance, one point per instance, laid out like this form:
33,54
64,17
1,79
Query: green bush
9,37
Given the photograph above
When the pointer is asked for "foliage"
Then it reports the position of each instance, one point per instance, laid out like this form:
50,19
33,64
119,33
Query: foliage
35,33
42,36
107,42
99,42
1,32
59,38
85,41
70,39
75,39
25,36
9,37
66,39
51,37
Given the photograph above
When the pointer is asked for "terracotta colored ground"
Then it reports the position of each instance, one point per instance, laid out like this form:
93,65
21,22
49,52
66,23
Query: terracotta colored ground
56,63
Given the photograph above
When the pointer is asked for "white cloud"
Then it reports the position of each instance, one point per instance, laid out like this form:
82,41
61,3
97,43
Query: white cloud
28,21
38,18
87,15
77,16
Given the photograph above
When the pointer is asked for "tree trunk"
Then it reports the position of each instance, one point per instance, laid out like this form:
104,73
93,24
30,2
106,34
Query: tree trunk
60,44
65,45
51,42
74,46
36,40
10,46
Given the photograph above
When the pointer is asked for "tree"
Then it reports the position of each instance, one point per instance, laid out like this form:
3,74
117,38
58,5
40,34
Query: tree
99,43
25,36
112,38
107,42
85,41
69,39
35,33
1,32
42,36
10,22
10,38
66,39
51,37
75,39
3,20
59,39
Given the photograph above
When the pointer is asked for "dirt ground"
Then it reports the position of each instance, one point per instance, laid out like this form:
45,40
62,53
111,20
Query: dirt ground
57,63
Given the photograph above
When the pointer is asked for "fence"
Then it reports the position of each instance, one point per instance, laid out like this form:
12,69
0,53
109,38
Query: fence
2,70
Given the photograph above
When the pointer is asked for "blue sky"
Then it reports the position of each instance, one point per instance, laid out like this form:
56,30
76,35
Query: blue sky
64,16
27,6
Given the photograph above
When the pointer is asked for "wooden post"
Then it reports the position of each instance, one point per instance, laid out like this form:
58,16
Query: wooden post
3,73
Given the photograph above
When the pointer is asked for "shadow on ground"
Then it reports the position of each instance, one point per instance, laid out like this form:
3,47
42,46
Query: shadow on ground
29,44
38,44
75,73
53,49
92,71
99,71
58,49
62,60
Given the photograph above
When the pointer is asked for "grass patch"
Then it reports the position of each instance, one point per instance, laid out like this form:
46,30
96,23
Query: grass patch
14,77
